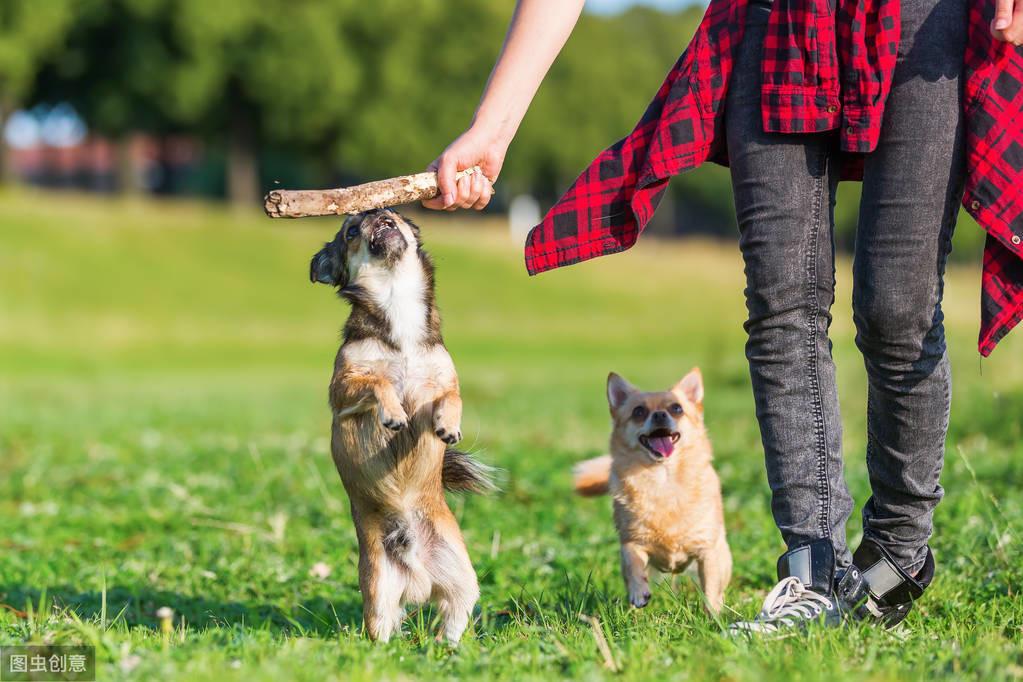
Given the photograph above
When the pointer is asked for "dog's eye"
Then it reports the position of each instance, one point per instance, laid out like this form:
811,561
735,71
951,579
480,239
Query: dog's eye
352,232
640,412
675,409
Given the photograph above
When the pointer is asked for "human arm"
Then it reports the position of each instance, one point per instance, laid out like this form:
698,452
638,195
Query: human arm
538,31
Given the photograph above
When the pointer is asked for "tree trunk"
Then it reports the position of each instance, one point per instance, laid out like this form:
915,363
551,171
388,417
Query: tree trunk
242,165
7,174
128,175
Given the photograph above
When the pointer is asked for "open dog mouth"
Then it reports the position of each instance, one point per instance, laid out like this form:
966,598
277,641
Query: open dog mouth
385,230
660,442
384,226
386,237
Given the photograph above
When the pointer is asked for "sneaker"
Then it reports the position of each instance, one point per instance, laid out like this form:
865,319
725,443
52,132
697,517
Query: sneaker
810,590
891,591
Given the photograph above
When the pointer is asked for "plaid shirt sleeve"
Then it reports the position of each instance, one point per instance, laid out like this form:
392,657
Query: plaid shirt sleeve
993,95
1001,298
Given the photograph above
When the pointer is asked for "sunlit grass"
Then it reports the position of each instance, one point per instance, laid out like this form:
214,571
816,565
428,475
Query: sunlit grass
163,442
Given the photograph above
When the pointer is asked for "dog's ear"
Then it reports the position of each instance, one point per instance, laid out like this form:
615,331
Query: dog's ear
325,268
691,387
618,390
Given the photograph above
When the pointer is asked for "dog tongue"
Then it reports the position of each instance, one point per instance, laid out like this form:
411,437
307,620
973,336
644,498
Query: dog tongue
662,445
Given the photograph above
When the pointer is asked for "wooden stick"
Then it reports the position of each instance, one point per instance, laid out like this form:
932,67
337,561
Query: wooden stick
602,645
285,203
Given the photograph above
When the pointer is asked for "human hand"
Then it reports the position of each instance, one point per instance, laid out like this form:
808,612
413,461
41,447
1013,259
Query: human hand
474,147
1007,25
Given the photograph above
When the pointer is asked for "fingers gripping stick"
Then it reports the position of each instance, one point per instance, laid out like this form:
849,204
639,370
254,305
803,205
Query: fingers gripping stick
283,203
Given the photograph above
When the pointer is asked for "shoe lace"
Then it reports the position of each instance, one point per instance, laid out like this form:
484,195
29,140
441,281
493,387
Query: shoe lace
789,602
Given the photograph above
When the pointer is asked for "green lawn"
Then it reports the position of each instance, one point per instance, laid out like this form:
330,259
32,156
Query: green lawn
163,442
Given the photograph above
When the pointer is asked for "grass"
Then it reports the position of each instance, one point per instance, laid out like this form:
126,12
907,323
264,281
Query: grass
163,442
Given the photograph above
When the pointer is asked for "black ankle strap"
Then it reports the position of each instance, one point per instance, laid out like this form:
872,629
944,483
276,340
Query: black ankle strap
812,562
887,583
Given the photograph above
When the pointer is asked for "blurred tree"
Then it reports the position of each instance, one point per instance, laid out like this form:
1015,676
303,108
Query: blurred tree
29,30
425,65
112,70
273,73
595,93
239,75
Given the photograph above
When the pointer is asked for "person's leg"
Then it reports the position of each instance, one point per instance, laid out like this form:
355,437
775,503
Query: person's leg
911,192
784,188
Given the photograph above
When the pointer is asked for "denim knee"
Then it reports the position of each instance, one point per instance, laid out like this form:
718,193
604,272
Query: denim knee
893,328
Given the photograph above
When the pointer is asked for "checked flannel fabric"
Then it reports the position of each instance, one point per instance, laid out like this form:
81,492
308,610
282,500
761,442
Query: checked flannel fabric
825,67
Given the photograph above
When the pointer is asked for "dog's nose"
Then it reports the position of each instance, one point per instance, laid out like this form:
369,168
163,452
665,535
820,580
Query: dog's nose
660,417
379,217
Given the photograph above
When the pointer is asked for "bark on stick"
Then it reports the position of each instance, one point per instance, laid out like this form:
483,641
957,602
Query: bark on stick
407,189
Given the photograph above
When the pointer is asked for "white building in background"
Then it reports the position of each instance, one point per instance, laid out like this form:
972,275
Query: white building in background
523,214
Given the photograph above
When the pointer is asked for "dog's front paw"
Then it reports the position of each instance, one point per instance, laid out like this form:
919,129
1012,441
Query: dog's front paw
394,419
447,428
639,599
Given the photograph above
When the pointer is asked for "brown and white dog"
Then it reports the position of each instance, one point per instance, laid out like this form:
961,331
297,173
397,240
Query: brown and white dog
397,409
667,496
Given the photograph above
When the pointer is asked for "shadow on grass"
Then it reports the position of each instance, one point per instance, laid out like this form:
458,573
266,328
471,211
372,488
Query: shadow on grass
316,617
137,607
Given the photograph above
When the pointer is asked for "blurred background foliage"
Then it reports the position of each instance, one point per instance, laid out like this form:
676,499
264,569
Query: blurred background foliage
325,92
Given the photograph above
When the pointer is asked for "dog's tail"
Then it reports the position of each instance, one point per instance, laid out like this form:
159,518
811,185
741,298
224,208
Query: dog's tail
462,473
592,477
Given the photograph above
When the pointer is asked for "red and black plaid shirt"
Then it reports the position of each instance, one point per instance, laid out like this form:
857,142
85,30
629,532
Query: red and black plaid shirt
807,87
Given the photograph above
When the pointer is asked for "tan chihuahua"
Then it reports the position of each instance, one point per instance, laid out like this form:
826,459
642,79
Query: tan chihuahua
397,409
667,496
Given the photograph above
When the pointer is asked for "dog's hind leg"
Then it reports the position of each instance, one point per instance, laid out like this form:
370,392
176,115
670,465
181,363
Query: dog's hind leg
715,573
456,600
382,582
455,586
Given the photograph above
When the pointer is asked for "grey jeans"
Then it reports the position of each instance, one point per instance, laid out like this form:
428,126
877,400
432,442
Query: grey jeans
784,187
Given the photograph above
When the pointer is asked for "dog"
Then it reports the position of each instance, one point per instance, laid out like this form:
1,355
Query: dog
667,496
396,411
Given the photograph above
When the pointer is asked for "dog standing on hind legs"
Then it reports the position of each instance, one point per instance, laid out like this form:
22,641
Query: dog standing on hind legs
667,496
396,412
